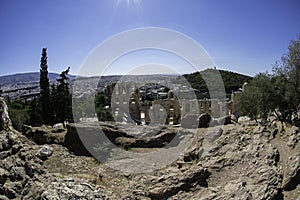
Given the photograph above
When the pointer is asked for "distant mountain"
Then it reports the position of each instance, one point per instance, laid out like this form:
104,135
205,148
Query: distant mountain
27,77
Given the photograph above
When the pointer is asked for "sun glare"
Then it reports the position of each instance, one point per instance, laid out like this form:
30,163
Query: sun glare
135,4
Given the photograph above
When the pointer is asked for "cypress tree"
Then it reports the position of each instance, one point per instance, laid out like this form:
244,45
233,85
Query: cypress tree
45,100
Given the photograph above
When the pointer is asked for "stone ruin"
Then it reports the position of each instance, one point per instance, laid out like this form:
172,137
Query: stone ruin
127,106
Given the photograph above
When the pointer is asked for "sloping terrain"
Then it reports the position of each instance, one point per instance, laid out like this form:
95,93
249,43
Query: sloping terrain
232,81
236,161
26,77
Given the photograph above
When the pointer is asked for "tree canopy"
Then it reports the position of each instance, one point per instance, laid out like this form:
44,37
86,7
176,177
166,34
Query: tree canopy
232,81
278,92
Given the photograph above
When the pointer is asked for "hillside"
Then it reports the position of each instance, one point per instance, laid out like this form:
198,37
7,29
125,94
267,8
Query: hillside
232,80
26,77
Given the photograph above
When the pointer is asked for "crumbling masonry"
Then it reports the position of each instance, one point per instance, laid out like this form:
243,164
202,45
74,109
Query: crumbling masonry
127,106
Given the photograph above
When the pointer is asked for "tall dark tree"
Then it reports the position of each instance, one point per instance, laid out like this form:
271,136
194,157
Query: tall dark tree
45,100
62,99
103,113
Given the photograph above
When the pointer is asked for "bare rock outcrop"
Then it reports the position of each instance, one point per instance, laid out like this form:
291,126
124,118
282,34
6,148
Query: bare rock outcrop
23,174
157,141
292,179
81,138
70,189
247,161
5,122
18,164
242,165
44,134
183,180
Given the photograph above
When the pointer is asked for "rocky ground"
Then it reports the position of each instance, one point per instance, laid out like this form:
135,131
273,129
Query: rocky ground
236,161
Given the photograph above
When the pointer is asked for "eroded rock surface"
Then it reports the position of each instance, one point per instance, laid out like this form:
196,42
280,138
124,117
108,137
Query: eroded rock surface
22,171
236,161
5,122
44,134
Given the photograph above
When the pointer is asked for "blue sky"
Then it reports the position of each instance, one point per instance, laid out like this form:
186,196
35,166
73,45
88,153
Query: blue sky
242,36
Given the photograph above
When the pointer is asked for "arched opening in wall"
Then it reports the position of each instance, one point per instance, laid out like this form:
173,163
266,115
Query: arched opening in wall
117,90
188,108
144,97
171,108
171,121
201,105
142,114
171,95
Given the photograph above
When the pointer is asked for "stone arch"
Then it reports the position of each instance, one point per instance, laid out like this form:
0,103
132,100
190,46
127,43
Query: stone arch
188,108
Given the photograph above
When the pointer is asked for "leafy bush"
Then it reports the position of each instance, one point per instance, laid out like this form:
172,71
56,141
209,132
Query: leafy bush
278,92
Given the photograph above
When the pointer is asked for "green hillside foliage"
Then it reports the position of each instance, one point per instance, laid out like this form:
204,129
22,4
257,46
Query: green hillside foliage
232,81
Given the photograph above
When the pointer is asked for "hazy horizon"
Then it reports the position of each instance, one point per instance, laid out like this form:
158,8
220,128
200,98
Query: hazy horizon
88,76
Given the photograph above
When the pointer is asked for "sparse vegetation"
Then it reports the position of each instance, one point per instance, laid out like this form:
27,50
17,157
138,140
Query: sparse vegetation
18,112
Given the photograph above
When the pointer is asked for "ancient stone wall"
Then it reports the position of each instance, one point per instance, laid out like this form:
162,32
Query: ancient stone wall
127,106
